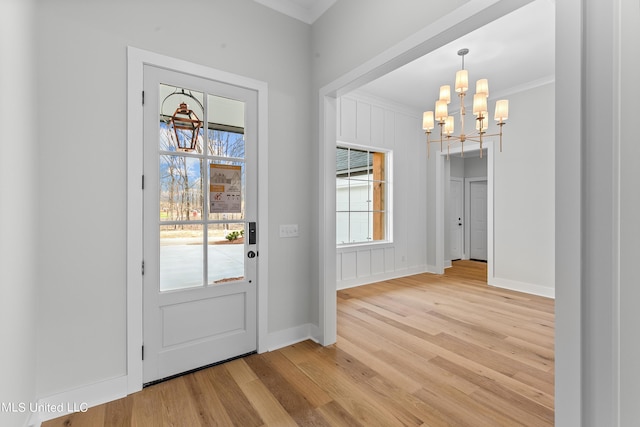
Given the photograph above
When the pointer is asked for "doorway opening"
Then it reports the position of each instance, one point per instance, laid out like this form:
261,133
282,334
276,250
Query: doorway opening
483,248
466,207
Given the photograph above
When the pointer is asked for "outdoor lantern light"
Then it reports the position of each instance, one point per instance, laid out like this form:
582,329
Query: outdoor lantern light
186,127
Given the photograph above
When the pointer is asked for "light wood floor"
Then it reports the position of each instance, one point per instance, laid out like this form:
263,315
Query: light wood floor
424,350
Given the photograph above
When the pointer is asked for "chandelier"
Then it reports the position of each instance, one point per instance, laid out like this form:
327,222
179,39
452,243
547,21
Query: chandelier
446,122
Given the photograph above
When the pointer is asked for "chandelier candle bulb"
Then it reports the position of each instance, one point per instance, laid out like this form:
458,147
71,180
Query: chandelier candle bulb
445,93
441,110
479,103
502,110
482,119
482,86
462,81
449,125
427,120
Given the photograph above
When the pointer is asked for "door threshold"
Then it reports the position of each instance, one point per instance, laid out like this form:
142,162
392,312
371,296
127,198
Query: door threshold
161,380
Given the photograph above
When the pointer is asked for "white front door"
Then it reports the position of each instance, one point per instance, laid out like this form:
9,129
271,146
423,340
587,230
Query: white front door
478,220
456,213
200,209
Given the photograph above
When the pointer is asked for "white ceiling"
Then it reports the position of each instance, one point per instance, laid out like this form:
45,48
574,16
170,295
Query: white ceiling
514,52
304,10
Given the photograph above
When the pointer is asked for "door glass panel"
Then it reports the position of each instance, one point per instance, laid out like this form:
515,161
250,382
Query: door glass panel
181,196
202,193
226,252
227,190
181,256
225,124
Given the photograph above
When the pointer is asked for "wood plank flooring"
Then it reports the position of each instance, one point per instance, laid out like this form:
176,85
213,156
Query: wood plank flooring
424,350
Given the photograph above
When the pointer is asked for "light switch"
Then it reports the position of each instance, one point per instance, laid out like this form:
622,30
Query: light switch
289,230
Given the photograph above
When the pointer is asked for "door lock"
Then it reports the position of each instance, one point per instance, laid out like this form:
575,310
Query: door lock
251,254
252,233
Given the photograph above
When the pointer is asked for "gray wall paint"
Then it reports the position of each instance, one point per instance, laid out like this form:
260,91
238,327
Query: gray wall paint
82,73
18,211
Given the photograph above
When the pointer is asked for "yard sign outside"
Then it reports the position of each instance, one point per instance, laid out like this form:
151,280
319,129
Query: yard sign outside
225,188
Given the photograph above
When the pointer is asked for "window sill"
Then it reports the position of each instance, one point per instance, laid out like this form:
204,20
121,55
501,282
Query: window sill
349,246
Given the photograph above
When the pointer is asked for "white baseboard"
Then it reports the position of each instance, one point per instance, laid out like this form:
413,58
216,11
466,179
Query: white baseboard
432,269
83,398
514,285
292,336
78,400
352,283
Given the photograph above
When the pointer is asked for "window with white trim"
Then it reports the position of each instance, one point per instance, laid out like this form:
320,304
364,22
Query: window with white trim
362,190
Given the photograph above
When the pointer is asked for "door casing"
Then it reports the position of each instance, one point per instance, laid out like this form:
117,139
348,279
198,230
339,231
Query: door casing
136,59
456,209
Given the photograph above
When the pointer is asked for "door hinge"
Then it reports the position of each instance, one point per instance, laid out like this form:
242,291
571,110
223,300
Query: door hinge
142,97
143,268
143,182
143,352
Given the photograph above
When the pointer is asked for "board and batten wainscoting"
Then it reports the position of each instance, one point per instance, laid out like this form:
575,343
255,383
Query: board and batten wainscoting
376,124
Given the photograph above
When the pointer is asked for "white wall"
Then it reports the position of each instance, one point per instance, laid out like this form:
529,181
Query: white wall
18,212
468,167
475,167
373,123
524,193
82,74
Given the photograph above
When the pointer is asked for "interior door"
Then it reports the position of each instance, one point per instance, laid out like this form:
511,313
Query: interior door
200,208
456,213
478,220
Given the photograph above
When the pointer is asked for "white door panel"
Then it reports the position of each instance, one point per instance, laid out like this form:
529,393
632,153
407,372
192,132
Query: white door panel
478,220
199,286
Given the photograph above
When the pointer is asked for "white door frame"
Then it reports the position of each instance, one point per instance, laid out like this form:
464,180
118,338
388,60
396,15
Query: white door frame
464,254
136,59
